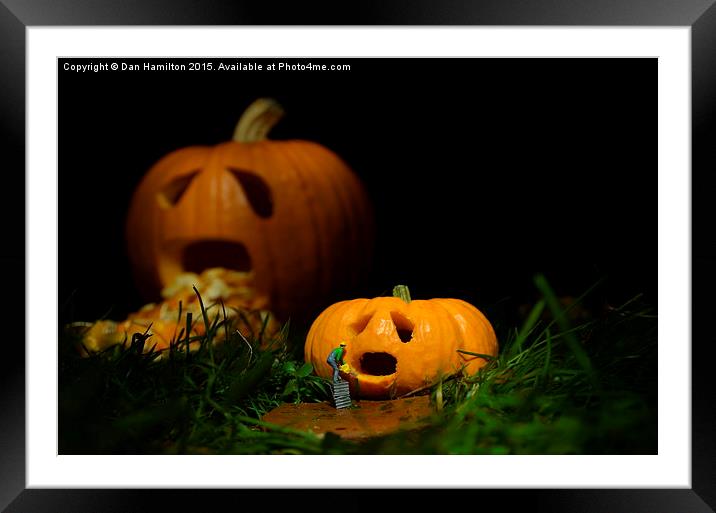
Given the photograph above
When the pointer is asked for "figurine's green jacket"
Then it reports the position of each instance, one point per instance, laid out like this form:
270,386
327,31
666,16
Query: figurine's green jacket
338,353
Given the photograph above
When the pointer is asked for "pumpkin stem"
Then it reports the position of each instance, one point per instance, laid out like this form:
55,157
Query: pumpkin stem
402,292
257,120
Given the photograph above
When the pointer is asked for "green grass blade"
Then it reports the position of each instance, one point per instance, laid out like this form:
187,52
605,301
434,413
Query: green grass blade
485,356
548,356
563,322
529,324
203,310
188,332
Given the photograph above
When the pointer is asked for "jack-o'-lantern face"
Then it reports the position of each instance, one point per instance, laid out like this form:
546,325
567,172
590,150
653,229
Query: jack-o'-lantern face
291,212
243,203
396,346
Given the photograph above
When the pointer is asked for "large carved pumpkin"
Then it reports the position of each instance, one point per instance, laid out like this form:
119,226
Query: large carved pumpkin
395,345
292,212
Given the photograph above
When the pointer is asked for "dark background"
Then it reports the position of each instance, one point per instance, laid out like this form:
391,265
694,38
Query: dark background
482,172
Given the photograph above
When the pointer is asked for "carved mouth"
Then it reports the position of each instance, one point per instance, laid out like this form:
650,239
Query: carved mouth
206,254
378,364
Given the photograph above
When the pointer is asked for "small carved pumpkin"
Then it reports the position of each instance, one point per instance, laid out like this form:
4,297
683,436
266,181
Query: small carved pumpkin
395,345
292,212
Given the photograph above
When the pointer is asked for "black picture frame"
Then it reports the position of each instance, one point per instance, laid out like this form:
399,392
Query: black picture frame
18,15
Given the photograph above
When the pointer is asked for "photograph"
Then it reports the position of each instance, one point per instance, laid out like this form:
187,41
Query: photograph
279,254
357,256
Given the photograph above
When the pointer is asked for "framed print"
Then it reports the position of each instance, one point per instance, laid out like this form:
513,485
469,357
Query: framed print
208,205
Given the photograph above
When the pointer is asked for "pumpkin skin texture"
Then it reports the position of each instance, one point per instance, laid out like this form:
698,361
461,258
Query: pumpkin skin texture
396,346
291,212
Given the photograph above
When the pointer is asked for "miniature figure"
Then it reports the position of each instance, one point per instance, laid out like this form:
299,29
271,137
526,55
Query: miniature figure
341,392
335,360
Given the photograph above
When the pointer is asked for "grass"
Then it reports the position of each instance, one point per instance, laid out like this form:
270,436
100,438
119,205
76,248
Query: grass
558,386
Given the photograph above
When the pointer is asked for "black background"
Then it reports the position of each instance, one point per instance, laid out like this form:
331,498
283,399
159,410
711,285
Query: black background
482,172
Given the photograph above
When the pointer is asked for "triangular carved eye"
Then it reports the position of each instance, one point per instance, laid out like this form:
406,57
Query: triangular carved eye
403,326
360,325
175,189
256,190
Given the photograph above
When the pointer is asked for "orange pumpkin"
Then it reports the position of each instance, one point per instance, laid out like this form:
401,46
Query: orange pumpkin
395,345
292,212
